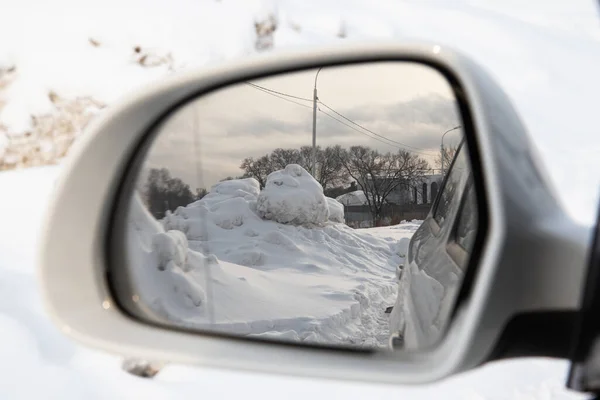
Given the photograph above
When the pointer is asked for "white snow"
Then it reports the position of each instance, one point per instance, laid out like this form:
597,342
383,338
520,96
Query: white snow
167,253
286,272
293,196
53,49
398,236
529,47
336,210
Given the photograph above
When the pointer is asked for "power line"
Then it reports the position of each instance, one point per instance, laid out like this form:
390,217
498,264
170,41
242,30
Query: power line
279,93
280,97
359,131
372,137
393,142
376,134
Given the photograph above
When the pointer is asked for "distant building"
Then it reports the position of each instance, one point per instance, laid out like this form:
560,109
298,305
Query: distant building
423,193
355,198
428,190
404,202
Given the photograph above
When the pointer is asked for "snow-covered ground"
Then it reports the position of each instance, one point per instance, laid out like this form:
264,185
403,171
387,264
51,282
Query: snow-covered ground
278,262
543,53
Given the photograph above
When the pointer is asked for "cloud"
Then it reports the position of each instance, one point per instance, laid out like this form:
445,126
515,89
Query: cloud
227,138
419,122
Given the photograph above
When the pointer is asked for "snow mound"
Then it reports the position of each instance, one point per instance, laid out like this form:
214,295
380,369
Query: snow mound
336,210
171,250
229,204
237,188
216,264
293,196
159,265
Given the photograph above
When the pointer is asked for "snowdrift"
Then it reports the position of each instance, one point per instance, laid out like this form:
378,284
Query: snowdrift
276,262
293,196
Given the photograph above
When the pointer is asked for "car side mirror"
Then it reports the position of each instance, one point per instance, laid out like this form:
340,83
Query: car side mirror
254,216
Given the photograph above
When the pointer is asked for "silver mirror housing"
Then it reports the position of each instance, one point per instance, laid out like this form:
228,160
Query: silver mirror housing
531,262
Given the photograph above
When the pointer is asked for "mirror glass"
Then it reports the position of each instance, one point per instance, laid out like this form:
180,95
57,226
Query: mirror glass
309,207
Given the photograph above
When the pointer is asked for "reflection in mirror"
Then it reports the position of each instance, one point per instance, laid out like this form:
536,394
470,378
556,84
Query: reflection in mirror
283,208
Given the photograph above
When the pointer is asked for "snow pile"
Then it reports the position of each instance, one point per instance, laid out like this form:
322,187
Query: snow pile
163,285
336,210
297,277
236,187
171,250
293,196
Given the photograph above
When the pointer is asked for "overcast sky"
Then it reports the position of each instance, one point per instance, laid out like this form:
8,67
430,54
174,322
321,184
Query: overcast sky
408,103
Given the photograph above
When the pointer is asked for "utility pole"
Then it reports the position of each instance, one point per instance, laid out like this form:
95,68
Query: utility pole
314,132
442,147
442,155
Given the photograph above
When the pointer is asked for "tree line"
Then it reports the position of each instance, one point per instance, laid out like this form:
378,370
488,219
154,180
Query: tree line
164,192
338,170
329,172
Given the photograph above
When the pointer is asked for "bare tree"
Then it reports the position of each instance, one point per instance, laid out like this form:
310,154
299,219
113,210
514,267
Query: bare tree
280,158
448,156
164,192
379,174
261,167
200,193
258,169
329,171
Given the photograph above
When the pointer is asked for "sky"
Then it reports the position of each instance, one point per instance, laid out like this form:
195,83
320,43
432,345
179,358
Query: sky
402,105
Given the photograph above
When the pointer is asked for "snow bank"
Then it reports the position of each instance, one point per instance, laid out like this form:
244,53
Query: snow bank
236,188
336,210
293,196
160,263
306,278
399,238
171,250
